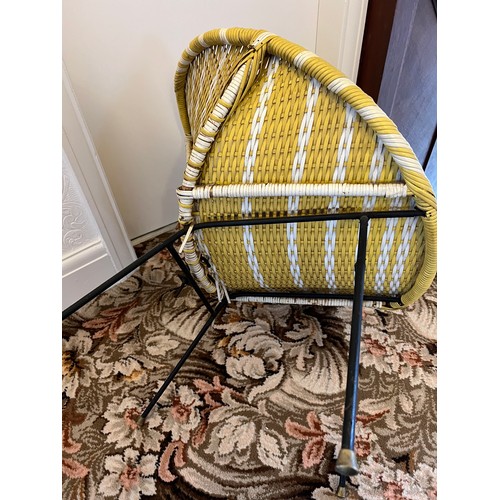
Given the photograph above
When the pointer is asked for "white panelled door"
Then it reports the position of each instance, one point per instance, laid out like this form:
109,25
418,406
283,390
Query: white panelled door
94,242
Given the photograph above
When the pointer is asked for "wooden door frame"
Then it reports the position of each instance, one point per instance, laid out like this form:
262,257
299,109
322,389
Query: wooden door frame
376,38
378,31
379,21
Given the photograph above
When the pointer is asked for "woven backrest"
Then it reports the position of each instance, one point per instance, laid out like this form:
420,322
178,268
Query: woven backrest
272,129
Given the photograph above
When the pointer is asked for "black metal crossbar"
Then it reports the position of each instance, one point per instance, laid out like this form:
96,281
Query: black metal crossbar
169,242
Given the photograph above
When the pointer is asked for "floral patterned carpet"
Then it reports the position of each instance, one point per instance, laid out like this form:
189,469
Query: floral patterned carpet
255,413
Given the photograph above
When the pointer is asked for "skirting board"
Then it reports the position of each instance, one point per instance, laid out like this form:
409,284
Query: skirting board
85,270
153,234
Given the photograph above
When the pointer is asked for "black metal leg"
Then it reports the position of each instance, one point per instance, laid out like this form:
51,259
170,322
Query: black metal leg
346,462
220,306
342,490
121,274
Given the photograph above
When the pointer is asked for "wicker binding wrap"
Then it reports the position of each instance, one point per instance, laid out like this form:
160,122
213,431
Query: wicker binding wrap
271,130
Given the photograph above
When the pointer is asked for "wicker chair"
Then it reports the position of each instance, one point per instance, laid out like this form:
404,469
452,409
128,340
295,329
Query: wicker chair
298,189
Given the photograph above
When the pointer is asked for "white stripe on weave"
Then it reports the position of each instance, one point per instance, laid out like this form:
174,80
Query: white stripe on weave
303,301
402,253
299,162
338,175
339,84
376,166
345,143
377,163
222,35
395,140
385,248
202,41
305,129
250,157
371,112
252,259
343,151
398,141
408,163
330,253
292,252
294,191
184,62
257,123
302,57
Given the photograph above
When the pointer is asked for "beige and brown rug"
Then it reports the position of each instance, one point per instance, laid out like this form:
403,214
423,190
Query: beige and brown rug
255,413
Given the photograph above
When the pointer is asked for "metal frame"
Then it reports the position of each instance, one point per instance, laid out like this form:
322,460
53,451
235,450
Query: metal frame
346,464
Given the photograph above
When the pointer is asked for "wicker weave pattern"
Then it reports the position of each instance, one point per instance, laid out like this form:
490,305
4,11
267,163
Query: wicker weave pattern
296,119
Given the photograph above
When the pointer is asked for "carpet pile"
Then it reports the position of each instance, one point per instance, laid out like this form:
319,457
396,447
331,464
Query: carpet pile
255,413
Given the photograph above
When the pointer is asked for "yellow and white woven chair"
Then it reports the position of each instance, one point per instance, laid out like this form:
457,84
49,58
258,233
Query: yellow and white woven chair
298,189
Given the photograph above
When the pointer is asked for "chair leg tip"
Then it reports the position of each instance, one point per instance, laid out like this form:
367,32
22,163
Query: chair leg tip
342,492
347,464
140,421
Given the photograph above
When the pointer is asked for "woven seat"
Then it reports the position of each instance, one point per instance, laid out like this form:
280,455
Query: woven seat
273,130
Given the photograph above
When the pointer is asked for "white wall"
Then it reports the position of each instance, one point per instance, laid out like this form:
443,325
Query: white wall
121,57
